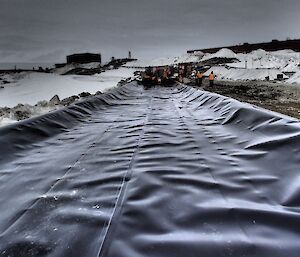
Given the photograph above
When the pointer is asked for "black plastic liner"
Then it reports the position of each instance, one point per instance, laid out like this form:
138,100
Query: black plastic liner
159,172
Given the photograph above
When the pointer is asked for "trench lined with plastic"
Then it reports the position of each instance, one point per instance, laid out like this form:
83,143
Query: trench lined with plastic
159,172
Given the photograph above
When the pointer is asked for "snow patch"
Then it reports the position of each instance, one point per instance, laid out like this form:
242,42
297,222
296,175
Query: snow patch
34,87
69,67
24,96
295,79
21,112
186,58
223,53
235,74
285,60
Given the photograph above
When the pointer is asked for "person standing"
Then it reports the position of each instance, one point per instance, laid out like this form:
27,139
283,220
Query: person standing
211,78
180,75
199,77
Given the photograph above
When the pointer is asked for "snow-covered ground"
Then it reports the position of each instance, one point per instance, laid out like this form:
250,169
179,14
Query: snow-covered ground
21,112
34,87
223,53
256,65
186,58
284,60
68,67
227,73
30,89
295,79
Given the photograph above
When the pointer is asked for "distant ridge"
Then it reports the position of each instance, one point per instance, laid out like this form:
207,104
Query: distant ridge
274,45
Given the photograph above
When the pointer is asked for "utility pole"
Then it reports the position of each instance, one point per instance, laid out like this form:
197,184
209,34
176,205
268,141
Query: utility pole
245,53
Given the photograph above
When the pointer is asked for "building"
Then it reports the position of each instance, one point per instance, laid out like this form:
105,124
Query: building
274,45
83,58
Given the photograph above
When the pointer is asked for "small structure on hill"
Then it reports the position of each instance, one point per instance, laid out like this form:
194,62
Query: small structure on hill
84,58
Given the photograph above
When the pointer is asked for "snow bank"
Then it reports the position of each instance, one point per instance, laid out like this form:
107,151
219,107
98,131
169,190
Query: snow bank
35,87
285,60
186,58
11,77
6,121
189,58
20,112
243,74
69,67
32,88
295,79
291,67
223,53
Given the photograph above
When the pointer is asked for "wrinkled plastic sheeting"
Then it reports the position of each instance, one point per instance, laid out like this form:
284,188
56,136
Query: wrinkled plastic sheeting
159,172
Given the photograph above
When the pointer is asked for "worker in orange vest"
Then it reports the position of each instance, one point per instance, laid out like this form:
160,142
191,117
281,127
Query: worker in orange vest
165,76
211,78
165,73
199,78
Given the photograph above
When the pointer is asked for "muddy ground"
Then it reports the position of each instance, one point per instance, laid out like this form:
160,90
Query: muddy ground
277,97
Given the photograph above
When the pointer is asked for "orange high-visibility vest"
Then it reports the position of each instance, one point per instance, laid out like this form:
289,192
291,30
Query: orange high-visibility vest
199,75
165,75
212,77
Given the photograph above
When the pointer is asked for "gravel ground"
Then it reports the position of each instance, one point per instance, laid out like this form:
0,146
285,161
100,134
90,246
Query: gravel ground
277,97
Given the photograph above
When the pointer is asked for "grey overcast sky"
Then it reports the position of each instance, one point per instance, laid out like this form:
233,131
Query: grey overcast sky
47,30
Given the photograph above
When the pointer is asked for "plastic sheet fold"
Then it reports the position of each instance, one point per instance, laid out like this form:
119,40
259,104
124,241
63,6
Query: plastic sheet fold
160,172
